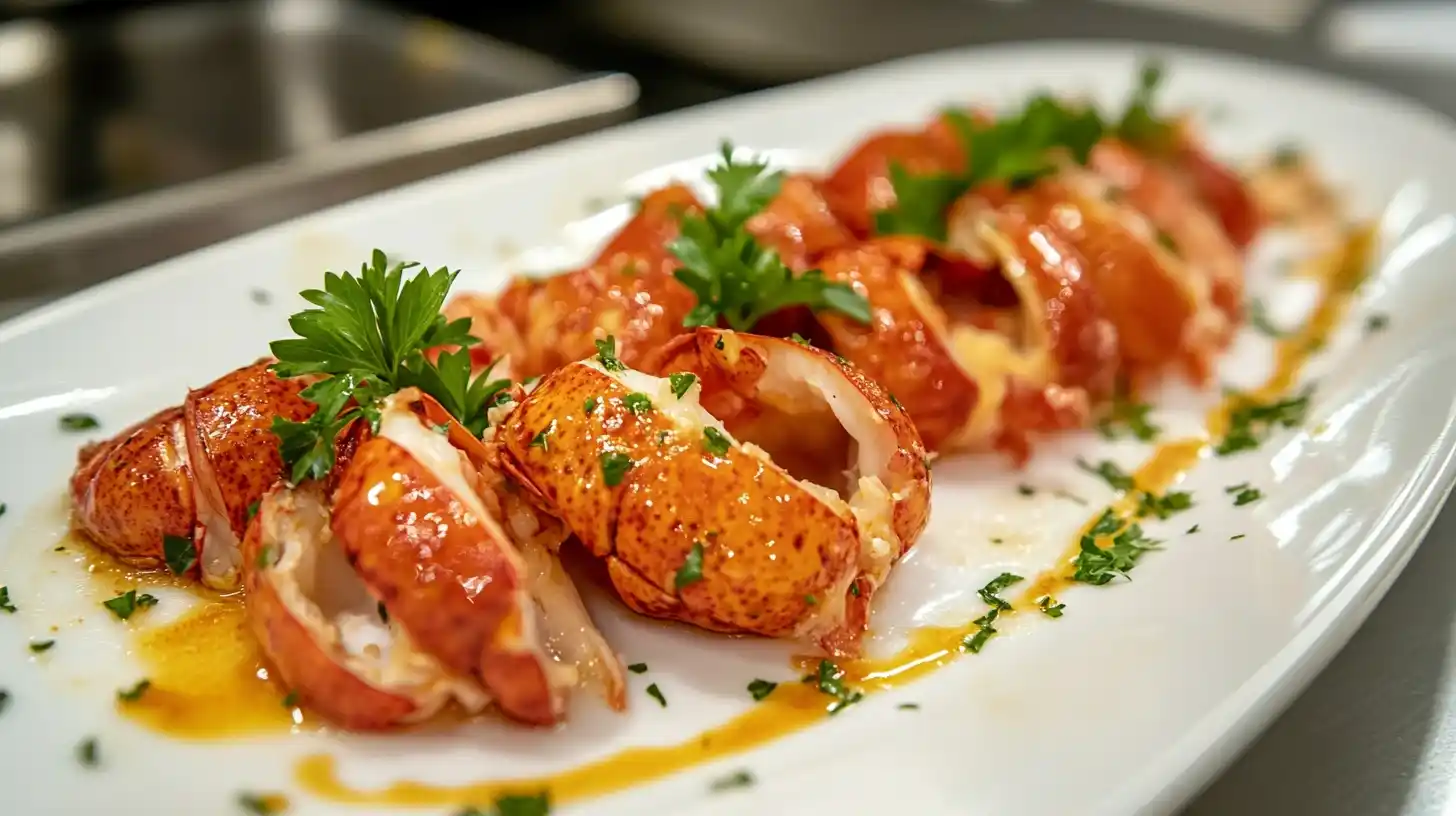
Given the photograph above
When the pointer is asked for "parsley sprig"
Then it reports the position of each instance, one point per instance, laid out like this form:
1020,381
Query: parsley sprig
367,339
735,279
1017,149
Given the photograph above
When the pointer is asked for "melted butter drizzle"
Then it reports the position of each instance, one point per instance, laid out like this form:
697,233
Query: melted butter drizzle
795,706
206,672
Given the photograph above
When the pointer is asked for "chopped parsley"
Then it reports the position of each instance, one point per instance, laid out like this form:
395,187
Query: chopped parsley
1236,537
1168,504
1016,149
737,779
1129,419
1049,606
735,279
1192,530
976,641
3,508
261,804
129,603
6,605
656,693
1166,241
515,804
761,688
637,403
79,422
1244,493
615,465
908,706
681,382
830,680
290,700
88,753
637,668
4,700
1251,421
253,509
607,354
131,695
1098,565
541,437
1108,471
691,570
264,560
989,592
1026,490
1287,156
38,646
714,441
590,404
1376,322
179,553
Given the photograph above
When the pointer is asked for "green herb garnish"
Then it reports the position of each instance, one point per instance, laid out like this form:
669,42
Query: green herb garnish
637,668
830,680
737,779
637,403
129,603
908,706
714,441
761,688
590,404
541,439
1251,421
1098,565
38,646
989,592
88,753
615,465
607,354
1236,537
1191,530
131,695
1168,504
367,338
6,605
734,278
1049,606
691,570
1287,156
290,700
681,382
261,804
1373,323
656,693
974,643
179,553
1129,419
79,422
1116,477
1244,493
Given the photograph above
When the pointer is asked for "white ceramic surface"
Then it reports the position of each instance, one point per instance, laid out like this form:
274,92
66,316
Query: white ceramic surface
1128,703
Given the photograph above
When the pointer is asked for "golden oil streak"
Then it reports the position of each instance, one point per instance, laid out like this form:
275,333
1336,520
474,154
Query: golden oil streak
790,708
795,706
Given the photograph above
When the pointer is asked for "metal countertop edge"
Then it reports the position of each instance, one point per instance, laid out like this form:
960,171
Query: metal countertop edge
590,96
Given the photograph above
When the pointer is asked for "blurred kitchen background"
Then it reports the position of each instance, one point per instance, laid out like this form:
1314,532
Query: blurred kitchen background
135,131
